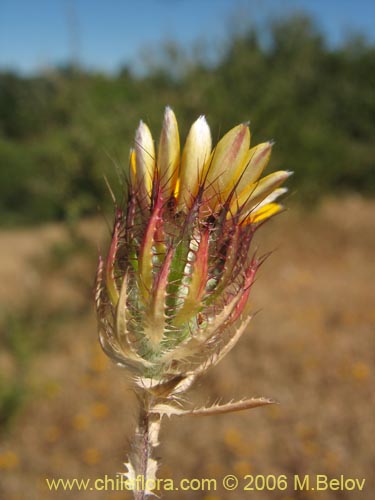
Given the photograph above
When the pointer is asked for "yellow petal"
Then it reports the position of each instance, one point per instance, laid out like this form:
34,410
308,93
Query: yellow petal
265,212
169,152
195,154
255,193
132,166
272,197
225,161
255,162
144,157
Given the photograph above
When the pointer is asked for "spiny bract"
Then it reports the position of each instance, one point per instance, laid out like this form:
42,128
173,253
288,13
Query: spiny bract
172,293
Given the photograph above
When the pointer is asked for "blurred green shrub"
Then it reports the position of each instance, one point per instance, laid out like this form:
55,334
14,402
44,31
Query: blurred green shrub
62,131
24,335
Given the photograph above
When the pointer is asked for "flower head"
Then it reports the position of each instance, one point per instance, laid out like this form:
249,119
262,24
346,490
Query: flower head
173,291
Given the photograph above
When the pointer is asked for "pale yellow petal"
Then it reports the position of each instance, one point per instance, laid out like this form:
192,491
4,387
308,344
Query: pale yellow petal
169,152
227,157
255,162
144,157
255,193
272,196
195,154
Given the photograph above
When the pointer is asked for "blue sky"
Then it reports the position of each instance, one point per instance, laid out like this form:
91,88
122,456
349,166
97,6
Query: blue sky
104,34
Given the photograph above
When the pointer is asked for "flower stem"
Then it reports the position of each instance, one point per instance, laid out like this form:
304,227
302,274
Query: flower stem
144,450
141,463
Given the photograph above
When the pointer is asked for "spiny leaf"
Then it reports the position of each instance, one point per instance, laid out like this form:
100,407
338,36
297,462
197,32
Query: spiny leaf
198,281
156,320
111,260
216,409
121,330
146,251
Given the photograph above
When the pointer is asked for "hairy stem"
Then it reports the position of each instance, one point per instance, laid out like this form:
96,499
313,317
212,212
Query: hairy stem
142,467
144,450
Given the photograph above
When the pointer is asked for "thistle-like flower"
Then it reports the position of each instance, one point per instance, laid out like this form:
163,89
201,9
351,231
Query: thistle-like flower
172,294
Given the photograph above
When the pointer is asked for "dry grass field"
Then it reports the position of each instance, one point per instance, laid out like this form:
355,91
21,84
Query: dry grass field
69,413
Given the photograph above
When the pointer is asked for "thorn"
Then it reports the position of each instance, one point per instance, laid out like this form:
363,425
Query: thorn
110,190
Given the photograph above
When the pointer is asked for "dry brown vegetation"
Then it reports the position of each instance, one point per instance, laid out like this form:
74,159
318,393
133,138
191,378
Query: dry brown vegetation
310,346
